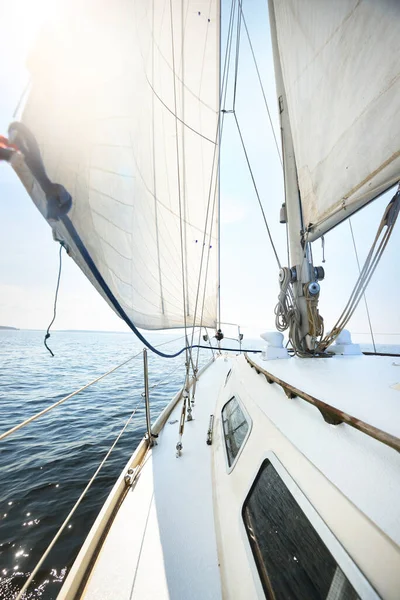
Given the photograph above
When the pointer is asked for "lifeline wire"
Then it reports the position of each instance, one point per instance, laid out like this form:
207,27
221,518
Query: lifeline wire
72,511
46,337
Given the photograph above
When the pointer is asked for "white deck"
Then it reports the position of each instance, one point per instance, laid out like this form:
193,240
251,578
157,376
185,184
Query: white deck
365,470
162,543
366,387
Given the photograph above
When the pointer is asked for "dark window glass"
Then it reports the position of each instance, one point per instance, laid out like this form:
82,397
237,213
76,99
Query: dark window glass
292,560
235,428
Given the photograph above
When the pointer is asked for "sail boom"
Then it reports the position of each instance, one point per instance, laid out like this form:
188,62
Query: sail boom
343,212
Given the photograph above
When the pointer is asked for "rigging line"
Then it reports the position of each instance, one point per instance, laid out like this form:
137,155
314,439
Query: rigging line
164,380
49,408
221,116
365,297
46,337
216,156
286,224
176,116
184,227
261,84
238,30
100,280
154,172
207,264
76,505
256,190
179,182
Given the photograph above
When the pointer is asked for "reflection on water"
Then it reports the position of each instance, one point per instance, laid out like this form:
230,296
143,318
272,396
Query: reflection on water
45,466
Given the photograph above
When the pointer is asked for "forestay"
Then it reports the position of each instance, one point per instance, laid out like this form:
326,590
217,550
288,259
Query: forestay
340,63
124,104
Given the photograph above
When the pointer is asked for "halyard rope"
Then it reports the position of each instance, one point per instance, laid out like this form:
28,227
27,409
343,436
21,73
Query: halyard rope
46,337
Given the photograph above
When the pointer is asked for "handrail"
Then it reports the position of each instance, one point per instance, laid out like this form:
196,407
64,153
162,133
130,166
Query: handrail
331,415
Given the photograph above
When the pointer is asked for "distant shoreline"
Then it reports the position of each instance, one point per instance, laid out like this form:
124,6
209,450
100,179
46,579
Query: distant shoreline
7,327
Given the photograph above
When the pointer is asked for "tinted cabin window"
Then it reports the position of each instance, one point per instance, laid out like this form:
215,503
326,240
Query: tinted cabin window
235,428
292,560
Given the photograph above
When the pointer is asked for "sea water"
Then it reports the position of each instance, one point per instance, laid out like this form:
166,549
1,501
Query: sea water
45,466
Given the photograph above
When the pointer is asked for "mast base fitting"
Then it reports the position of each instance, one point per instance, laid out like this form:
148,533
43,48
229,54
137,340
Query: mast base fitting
313,288
292,272
179,447
319,273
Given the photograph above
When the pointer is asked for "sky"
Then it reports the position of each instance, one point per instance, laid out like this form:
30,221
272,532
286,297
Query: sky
249,274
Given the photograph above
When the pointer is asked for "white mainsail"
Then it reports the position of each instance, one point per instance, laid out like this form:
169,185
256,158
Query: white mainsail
124,104
341,71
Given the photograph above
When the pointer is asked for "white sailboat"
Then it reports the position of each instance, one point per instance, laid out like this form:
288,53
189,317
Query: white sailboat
285,483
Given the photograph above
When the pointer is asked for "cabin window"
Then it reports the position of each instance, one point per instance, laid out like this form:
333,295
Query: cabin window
235,428
291,558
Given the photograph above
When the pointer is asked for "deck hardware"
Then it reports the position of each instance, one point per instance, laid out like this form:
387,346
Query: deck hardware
219,336
210,430
335,415
192,400
329,418
313,288
149,436
186,399
319,273
179,445
130,476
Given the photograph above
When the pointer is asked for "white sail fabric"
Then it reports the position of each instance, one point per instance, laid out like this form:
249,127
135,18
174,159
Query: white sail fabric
108,79
341,65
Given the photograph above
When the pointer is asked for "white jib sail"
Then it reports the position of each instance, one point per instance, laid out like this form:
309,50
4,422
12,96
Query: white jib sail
124,104
341,69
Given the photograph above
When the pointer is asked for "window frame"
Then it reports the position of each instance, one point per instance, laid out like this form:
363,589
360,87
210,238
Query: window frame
343,560
249,422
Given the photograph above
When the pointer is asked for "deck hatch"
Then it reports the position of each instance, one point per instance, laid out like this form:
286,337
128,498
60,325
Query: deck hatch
291,558
236,428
